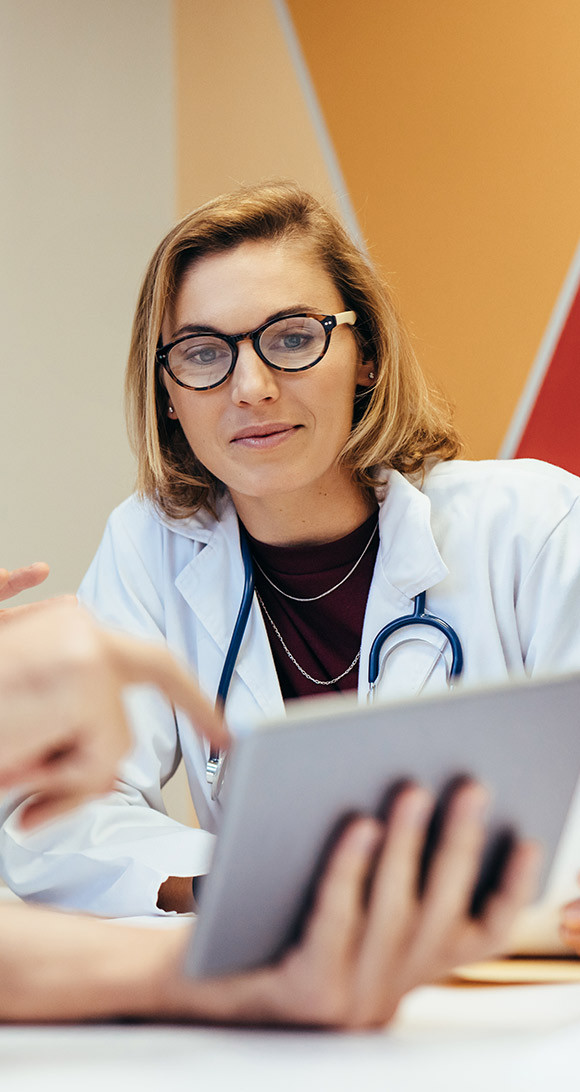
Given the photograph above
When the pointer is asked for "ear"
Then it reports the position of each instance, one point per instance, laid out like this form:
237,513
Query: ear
366,374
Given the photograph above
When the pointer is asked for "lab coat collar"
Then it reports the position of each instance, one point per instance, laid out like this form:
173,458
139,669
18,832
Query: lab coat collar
201,526
408,563
408,554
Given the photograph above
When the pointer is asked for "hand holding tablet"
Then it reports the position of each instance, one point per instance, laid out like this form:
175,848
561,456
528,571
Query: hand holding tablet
292,784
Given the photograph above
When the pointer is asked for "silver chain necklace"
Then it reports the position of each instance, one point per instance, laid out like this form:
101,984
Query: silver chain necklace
318,682
313,598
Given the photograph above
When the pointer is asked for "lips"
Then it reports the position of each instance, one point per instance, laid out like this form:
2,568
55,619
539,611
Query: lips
262,432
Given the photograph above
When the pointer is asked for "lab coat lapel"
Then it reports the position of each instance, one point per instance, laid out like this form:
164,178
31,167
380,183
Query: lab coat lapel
212,584
408,562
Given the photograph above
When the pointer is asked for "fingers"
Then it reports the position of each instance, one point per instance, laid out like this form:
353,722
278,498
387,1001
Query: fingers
18,580
23,771
392,911
142,662
44,807
13,614
334,927
79,764
394,892
457,858
518,886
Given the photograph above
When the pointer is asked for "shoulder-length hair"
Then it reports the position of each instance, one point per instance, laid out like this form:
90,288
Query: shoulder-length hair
398,423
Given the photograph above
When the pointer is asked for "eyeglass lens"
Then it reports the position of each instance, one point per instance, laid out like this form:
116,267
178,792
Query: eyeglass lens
291,343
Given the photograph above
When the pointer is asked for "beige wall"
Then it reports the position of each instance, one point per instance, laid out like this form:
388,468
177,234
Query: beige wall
86,190
241,115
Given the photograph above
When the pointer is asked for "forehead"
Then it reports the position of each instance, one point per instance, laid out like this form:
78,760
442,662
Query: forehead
241,288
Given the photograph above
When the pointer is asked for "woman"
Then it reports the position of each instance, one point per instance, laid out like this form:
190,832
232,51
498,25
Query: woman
271,385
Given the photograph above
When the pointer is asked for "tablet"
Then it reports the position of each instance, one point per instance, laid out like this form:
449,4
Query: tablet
291,782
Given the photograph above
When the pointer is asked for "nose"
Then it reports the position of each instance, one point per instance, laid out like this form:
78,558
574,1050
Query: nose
252,381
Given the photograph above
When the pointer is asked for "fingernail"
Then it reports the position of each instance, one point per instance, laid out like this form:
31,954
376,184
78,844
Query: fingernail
417,807
474,802
366,835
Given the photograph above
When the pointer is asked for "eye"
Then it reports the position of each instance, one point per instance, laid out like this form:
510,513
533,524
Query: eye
297,337
200,352
203,355
293,340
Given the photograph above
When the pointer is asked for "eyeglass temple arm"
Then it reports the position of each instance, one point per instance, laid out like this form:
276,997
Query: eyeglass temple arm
345,317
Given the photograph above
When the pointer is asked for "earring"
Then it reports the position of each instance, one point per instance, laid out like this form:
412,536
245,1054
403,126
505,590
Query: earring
371,375
170,409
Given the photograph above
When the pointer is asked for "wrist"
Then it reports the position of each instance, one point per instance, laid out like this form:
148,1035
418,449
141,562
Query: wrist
176,894
56,966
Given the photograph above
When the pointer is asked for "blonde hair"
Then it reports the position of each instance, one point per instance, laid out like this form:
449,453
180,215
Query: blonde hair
398,423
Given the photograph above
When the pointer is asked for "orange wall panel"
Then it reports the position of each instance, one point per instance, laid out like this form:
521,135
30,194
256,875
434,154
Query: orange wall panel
240,113
457,128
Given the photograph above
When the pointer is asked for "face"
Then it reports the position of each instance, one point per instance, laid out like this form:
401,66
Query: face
266,434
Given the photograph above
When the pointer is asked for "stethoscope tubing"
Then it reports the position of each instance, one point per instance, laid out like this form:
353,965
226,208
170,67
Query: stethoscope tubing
235,644
419,617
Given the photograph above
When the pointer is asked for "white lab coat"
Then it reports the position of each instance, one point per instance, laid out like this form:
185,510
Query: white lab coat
496,545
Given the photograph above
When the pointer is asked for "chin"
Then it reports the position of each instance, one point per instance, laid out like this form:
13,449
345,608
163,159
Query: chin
268,486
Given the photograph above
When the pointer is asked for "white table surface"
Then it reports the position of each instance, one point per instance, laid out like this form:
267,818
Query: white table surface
444,1039
521,1038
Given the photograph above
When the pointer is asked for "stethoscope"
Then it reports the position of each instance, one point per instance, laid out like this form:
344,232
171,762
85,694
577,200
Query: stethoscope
215,766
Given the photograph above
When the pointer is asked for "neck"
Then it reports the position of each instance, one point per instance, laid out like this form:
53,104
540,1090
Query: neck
295,520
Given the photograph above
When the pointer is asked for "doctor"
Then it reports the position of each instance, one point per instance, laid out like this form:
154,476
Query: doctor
271,384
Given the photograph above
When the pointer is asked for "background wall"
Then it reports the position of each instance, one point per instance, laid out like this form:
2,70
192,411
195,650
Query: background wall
447,132
87,187
457,127
241,112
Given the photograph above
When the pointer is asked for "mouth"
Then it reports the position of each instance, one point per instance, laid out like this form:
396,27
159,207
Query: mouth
264,435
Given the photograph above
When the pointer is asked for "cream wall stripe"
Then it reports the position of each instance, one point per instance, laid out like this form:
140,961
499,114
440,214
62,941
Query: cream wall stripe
318,123
241,115
543,359
87,188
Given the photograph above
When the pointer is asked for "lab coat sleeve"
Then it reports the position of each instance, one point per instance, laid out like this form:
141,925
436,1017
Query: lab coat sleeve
548,601
110,856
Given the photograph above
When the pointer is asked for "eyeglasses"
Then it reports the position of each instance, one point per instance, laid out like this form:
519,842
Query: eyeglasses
293,343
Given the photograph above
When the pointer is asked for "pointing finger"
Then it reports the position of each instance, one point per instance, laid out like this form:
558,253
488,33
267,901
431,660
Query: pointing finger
18,580
140,662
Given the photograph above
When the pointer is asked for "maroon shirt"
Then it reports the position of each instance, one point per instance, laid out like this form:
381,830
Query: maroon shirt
324,636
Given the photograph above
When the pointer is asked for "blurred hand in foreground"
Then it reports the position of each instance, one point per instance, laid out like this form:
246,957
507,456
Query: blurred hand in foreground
14,581
371,935
63,728
369,939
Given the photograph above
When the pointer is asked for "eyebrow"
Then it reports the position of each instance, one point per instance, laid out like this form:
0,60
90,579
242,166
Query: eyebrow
197,328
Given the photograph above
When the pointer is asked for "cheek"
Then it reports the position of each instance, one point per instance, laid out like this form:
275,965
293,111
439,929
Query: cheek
201,428
197,423
336,402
